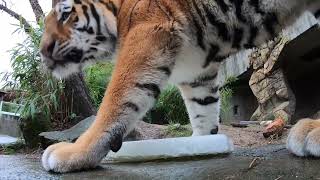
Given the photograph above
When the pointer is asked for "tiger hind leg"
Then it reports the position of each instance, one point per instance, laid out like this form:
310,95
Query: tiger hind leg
304,138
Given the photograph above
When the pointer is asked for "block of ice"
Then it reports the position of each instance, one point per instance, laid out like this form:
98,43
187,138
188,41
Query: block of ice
147,150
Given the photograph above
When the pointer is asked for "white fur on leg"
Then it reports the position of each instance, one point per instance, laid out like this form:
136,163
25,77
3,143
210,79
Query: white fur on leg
295,145
46,163
312,145
297,136
304,138
204,125
203,118
67,157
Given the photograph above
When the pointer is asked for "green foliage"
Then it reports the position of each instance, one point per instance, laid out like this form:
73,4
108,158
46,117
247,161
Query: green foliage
8,150
225,106
97,78
45,104
12,148
226,94
231,81
169,108
41,94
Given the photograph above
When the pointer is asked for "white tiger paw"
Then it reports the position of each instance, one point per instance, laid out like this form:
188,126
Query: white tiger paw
66,157
304,138
312,145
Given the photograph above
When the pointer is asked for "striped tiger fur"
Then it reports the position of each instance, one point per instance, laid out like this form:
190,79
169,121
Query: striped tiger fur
156,42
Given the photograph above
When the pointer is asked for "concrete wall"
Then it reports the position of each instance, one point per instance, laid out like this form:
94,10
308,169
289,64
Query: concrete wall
243,103
9,125
234,66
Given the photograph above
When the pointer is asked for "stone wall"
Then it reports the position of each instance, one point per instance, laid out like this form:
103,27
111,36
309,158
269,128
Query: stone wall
239,63
268,83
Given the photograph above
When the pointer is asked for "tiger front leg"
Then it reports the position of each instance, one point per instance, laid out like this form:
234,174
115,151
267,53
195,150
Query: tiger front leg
202,101
143,67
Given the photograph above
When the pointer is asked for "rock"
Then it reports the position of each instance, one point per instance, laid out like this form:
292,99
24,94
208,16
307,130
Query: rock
142,131
282,93
6,140
145,131
70,134
31,128
275,128
256,115
9,145
268,83
283,114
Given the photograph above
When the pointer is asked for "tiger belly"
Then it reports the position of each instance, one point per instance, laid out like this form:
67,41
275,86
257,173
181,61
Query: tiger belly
189,65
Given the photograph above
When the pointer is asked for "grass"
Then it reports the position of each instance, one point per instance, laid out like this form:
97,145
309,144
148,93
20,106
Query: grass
7,150
178,130
12,148
97,78
169,108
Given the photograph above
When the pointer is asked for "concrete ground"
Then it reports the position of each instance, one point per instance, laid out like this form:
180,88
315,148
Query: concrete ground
270,162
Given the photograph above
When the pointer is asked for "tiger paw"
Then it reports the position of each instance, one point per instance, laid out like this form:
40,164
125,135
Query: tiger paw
67,157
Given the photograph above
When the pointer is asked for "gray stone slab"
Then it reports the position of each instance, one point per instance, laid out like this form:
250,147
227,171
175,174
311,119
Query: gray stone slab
69,134
7,140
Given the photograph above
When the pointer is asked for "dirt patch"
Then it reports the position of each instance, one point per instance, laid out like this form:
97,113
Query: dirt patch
145,130
251,136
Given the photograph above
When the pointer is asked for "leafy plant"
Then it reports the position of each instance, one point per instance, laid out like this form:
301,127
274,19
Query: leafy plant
231,81
226,94
8,150
225,106
41,94
12,148
97,78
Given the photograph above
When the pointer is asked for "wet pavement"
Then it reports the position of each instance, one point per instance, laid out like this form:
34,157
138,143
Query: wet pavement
270,162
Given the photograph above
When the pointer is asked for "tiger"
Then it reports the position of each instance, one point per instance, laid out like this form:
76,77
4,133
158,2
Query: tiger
155,43
304,138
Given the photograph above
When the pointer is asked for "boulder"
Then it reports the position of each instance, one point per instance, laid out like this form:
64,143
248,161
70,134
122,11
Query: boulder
141,132
268,83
